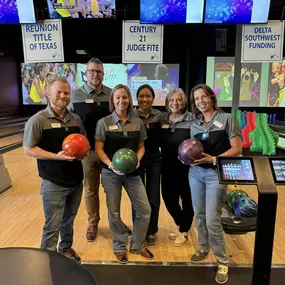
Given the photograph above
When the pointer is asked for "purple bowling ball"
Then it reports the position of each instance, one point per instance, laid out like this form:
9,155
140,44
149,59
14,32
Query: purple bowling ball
190,150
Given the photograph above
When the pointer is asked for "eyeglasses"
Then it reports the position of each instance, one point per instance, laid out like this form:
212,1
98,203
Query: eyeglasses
93,71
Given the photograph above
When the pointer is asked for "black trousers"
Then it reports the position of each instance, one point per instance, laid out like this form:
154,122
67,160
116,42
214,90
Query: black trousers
150,175
175,186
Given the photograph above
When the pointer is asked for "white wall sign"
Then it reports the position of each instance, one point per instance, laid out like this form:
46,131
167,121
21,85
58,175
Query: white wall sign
43,42
142,43
262,43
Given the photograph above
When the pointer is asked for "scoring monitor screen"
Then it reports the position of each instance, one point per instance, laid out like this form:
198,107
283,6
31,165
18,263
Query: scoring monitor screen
87,9
17,11
278,169
37,76
236,170
171,11
236,11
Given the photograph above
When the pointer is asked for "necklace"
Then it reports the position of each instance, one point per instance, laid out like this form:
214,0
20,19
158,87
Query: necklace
208,127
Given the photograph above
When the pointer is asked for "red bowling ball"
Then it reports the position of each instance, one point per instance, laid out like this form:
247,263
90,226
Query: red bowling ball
76,145
190,150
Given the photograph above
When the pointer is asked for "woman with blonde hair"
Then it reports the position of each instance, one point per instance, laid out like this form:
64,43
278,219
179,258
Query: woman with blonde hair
174,182
123,130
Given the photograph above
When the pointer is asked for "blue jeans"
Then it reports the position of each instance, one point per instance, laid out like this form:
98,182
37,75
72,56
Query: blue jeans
60,208
150,175
207,197
112,184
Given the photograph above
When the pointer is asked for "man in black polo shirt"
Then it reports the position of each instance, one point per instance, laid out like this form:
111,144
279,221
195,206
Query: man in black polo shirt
91,103
61,175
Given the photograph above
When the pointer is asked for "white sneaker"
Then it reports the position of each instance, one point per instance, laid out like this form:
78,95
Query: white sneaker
174,234
222,274
181,238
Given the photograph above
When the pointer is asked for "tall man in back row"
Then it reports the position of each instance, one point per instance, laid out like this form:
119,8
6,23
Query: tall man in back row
91,103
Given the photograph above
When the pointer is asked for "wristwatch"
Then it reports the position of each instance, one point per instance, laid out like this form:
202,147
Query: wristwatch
214,161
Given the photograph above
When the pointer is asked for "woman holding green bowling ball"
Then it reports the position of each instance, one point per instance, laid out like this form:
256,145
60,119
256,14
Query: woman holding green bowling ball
117,131
220,136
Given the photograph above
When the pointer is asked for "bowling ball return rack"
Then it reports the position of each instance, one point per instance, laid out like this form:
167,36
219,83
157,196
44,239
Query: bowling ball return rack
236,225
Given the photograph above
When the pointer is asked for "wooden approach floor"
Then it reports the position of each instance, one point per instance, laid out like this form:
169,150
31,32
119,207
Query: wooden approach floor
22,220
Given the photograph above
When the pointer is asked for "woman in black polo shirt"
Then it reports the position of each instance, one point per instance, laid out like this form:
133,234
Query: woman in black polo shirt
123,130
220,135
151,162
174,175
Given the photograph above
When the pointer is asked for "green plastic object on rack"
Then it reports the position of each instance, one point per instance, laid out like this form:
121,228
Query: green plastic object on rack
263,138
275,136
271,145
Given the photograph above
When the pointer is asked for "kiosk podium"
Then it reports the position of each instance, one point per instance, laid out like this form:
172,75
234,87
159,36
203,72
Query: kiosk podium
258,171
241,171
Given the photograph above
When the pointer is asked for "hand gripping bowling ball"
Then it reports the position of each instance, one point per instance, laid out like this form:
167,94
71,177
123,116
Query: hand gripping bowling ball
234,196
190,150
125,160
76,145
245,207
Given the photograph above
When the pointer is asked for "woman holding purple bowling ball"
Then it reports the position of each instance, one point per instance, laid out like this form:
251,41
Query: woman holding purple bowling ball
175,128
220,135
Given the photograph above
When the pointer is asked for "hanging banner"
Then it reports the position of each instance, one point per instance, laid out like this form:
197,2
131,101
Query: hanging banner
142,43
262,43
43,42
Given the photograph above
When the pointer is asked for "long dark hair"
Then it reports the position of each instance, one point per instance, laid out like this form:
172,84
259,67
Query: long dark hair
147,87
209,92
